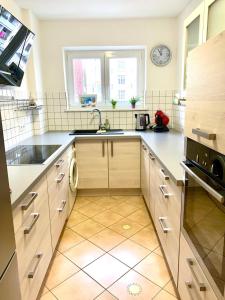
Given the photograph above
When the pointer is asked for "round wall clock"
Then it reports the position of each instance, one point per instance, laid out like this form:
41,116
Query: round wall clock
161,55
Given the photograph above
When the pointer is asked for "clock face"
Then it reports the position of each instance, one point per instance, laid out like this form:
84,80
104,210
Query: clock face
161,55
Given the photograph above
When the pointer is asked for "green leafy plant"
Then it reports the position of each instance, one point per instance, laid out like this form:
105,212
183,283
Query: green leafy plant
133,101
113,102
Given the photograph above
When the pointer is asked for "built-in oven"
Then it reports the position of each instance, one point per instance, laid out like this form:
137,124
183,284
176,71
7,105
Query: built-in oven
204,211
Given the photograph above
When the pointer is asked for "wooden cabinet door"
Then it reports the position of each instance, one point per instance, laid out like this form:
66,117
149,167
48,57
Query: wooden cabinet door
124,163
145,173
92,162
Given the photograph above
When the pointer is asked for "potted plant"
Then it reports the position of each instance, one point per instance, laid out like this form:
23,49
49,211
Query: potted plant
113,102
133,101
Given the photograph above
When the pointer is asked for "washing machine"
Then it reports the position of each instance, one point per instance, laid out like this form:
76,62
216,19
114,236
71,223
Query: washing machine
73,179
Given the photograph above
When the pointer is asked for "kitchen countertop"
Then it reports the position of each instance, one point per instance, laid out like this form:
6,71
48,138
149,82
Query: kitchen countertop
167,147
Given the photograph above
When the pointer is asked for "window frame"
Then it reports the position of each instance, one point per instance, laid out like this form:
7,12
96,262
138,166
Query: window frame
105,54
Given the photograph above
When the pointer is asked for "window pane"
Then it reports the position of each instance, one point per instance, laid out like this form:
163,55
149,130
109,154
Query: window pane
87,78
216,18
123,78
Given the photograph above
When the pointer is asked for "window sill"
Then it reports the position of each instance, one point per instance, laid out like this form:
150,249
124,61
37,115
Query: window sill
89,109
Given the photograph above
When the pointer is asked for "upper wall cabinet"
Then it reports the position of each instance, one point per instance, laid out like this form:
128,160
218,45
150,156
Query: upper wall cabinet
214,21
205,22
193,35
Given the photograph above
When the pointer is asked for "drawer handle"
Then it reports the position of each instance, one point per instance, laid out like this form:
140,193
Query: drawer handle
190,262
59,163
26,205
112,152
144,148
62,207
204,134
165,229
60,177
164,191
103,148
189,286
162,172
35,218
152,157
38,257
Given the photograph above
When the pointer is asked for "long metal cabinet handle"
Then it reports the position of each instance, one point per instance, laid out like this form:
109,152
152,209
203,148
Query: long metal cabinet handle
162,172
60,209
59,163
32,273
60,177
35,218
164,191
103,148
201,285
26,205
189,286
208,188
165,229
112,148
204,134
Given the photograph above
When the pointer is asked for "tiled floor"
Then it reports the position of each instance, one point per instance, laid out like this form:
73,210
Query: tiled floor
109,250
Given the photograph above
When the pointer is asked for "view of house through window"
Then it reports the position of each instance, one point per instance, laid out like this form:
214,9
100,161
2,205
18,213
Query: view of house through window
106,75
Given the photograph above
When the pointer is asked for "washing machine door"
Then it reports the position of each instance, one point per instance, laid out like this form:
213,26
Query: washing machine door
73,178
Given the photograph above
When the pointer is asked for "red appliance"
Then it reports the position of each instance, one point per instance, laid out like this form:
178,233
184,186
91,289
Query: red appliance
161,121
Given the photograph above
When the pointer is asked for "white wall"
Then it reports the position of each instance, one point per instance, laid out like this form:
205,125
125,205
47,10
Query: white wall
57,34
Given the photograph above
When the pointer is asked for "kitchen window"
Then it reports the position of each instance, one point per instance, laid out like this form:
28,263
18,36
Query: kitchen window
117,74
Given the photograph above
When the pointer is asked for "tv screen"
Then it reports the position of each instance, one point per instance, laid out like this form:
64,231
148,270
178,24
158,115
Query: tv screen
15,44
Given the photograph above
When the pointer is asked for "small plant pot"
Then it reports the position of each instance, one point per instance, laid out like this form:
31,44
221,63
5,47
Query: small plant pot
113,106
133,105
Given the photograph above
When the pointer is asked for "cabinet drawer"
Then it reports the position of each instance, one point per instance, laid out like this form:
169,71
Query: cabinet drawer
29,204
160,222
30,234
58,221
37,267
191,276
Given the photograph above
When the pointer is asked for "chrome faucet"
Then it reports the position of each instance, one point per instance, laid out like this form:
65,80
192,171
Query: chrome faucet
100,117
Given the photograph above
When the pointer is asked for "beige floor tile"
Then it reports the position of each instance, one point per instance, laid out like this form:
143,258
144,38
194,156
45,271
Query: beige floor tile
119,199
79,287
69,239
84,253
140,216
136,201
61,269
91,209
126,227
81,201
164,296
48,296
106,296
107,239
134,286
158,251
147,238
107,218
88,228
75,218
124,209
106,270
154,268
170,288
129,253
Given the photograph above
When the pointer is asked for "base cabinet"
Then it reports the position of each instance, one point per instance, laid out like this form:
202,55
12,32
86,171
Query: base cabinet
38,223
192,283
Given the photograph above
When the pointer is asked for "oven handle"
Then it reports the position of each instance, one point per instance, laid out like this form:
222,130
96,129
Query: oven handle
208,188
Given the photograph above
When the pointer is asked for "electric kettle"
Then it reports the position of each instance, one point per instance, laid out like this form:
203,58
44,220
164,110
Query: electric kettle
142,121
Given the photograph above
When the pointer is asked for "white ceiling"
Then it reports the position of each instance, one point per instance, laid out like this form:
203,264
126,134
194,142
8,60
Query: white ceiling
93,9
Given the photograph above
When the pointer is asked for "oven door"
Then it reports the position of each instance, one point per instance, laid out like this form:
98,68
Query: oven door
204,223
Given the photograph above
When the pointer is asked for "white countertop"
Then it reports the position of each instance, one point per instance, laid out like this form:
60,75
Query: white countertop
168,147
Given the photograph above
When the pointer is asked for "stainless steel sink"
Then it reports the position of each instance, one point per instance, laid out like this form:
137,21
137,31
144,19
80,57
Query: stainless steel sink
96,132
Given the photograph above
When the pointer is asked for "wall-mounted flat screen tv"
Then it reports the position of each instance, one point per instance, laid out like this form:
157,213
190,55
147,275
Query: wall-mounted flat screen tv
15,44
